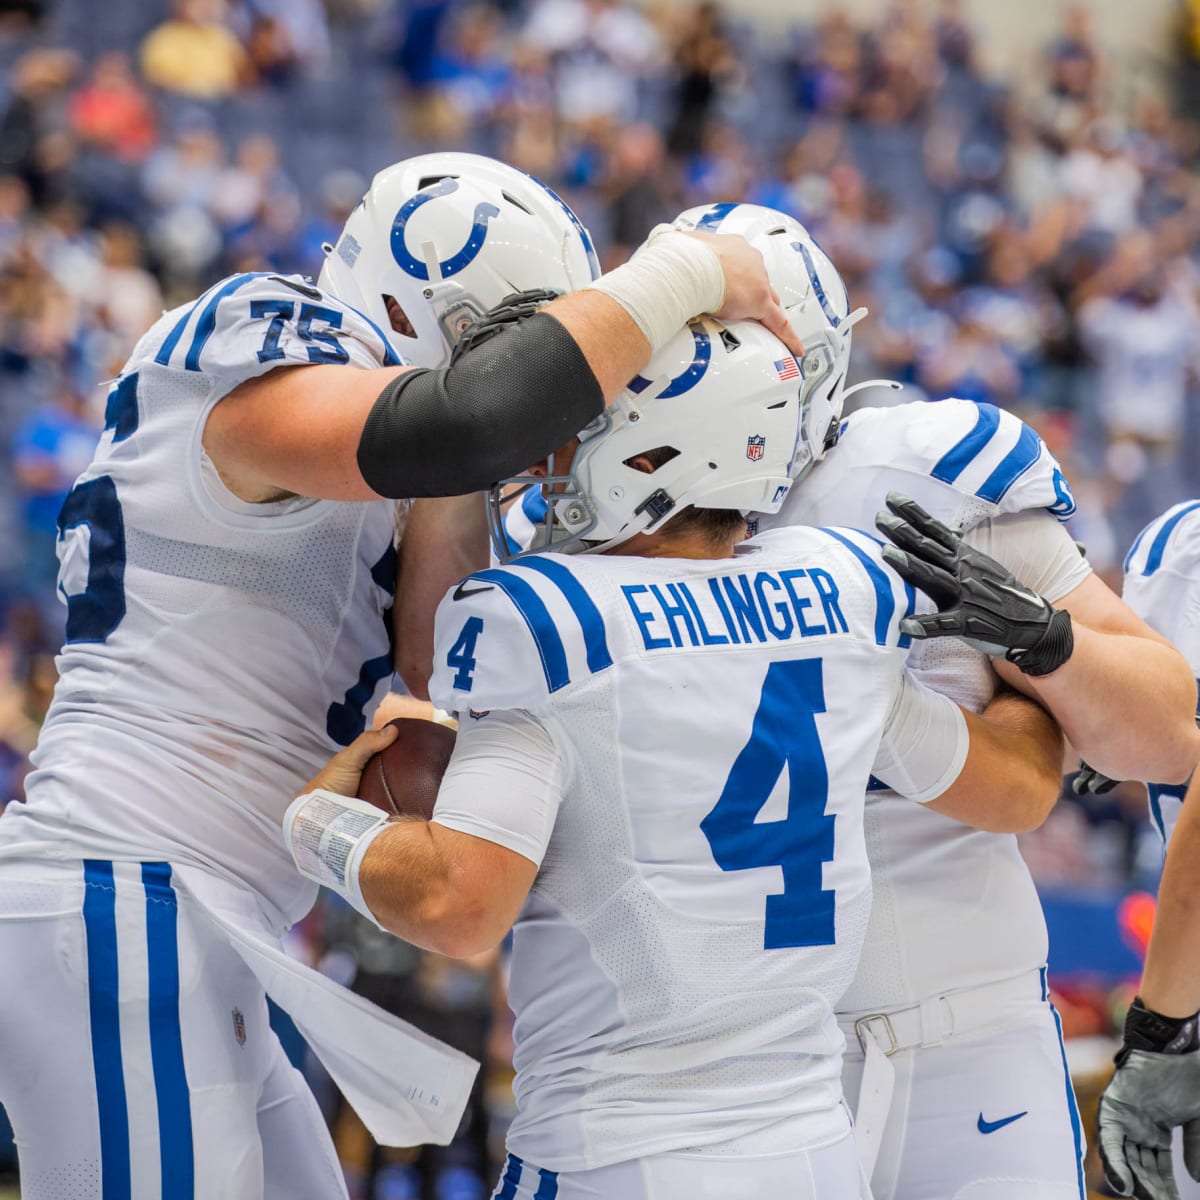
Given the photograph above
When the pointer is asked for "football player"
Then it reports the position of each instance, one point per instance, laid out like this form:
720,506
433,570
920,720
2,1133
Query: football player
228,563
1156,1086
952,1038
659,772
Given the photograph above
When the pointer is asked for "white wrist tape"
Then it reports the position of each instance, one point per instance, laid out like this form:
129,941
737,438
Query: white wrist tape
672,278
327,836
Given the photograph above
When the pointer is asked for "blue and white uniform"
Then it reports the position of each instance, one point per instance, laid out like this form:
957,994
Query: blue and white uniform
951,984
217,653
1162,585
693,741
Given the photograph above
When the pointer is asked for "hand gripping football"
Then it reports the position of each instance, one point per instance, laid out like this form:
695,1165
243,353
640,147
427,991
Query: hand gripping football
404,778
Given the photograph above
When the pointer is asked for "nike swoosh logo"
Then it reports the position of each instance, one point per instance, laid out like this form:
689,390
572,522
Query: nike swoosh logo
991,1126
462,591
311,293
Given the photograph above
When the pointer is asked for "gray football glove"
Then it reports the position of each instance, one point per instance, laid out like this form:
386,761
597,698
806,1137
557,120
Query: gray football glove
1090,782
978,599
1155,1088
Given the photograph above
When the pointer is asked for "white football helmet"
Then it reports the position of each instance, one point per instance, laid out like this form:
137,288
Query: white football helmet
725,398
816,299
448,236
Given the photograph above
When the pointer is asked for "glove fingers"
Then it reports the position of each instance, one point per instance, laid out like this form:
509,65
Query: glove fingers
916,516
908,537
1112,1154
938,585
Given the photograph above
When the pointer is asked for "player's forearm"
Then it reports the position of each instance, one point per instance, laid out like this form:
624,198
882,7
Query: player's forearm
444,541
1013,772
1127,704
410,881
1171,981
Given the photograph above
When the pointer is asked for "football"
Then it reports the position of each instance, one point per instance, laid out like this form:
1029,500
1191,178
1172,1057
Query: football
404,778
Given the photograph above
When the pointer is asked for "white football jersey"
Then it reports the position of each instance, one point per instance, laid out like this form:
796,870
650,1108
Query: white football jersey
1162,585
954,907
705,890
217,652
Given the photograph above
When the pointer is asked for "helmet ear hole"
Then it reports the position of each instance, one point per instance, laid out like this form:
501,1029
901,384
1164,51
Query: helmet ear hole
398,317
649,461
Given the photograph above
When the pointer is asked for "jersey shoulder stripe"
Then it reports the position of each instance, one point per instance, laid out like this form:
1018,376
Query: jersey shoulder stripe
205,325
537,618
584,607
1151,546
978,450
511,637
885,584
277,320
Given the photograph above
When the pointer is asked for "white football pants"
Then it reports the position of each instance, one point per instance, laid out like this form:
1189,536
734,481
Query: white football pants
986,1116
136,1062
825,1173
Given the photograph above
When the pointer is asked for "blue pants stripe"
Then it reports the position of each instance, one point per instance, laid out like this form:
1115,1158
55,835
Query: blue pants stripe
511,1179
1072,1106
547,1185
166,1040
100,926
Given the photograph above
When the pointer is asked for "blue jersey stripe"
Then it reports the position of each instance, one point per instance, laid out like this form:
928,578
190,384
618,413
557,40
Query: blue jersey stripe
529,604
1012,466
121,408
885,598
166,1042
715,215
547,1185
1137,541
582,605
1158,547
960,456
510,1180
208,318
1072,1106
100,925
163,357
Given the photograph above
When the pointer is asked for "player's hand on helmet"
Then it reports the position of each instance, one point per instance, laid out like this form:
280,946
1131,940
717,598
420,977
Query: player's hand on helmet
978,599
1155,1088
1090,782
749,295
344,770
511,310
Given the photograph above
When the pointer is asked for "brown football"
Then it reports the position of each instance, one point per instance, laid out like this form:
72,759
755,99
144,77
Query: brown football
405,777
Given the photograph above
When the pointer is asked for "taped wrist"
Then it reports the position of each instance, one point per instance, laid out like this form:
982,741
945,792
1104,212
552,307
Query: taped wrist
1147,1030
328,835
499,408
670,280
1052,650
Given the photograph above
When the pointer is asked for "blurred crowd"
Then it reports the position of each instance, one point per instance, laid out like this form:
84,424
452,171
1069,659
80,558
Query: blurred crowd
1030,242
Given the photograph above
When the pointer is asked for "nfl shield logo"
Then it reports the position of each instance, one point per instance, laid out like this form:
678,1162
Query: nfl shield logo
239,1026
756,447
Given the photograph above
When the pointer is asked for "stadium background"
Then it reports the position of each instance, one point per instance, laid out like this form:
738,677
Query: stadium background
1011,189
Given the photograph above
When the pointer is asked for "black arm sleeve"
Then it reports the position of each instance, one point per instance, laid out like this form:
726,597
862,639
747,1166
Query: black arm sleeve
500,408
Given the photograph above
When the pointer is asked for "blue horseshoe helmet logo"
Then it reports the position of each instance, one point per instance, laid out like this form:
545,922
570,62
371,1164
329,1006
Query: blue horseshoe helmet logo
689,378
484,212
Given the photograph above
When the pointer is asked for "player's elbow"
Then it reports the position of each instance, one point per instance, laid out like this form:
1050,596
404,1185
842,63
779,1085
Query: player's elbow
459,926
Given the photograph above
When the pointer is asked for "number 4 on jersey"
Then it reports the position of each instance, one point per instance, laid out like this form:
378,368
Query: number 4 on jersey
784,735
462,654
